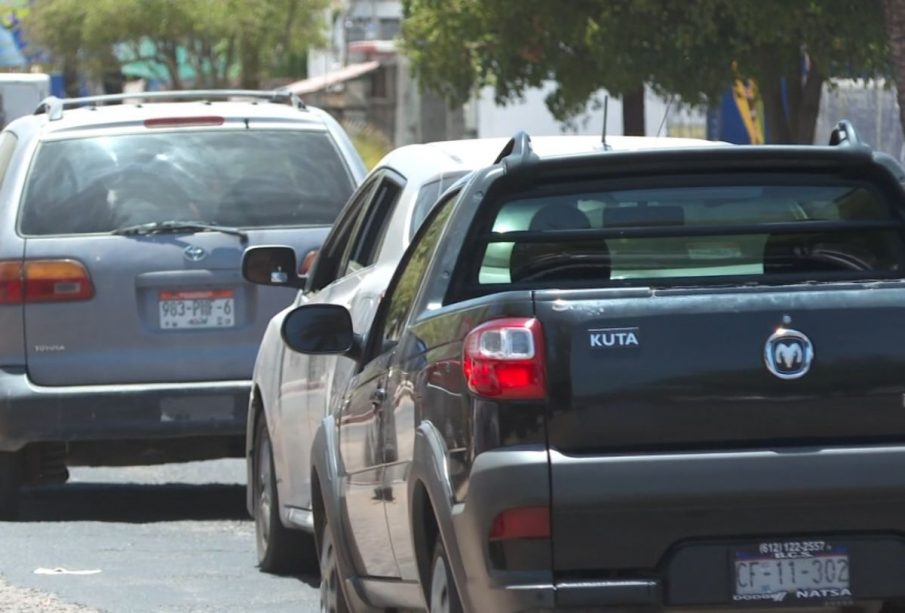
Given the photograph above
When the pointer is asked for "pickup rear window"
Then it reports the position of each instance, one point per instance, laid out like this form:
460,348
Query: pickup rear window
747,232
244,178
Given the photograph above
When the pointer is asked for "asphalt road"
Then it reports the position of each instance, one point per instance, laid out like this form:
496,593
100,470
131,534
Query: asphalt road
164,538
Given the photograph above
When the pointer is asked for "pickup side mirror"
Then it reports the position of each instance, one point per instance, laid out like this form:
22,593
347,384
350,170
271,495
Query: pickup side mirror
321,329
274,266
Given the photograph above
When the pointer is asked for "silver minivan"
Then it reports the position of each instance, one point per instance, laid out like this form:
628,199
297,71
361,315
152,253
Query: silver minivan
129,335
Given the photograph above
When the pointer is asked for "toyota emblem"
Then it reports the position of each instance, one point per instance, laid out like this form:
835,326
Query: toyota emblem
194,254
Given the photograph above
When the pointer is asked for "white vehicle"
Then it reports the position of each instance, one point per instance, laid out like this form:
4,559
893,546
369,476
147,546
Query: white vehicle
20,94
291,391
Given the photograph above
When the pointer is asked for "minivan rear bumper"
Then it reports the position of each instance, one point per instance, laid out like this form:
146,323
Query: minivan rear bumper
32,413
660,529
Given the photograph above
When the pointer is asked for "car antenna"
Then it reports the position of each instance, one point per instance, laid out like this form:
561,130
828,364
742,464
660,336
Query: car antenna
606,103
665,116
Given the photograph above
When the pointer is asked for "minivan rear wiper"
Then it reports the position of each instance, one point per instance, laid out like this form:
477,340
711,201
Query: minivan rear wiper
160,227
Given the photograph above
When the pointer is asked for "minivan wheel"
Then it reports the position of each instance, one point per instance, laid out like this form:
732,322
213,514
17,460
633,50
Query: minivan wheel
332,598
281,550
10,480
444,598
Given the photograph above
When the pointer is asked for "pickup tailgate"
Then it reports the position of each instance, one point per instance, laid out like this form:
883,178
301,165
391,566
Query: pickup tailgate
676,370
650,433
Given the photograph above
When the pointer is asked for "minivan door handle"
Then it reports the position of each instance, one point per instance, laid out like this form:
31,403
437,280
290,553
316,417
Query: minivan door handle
378,396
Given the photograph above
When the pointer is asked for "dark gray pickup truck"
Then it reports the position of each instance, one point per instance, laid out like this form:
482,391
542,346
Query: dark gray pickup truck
656,379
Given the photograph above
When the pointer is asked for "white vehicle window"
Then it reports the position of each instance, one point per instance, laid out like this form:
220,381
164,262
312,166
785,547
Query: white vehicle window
8,143
372,227
428,197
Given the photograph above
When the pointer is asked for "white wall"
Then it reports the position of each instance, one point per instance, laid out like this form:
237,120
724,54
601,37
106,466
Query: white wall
380,9
872,108
531,114
22,93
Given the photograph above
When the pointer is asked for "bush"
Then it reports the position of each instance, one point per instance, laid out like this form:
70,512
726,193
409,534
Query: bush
372,144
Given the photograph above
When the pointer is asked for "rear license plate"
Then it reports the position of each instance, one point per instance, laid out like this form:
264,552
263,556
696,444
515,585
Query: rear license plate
790,572
197,309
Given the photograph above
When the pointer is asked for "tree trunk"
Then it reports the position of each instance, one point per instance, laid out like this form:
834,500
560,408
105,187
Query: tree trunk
794,120
251,66
777,123
804,91
71,76
895,31
225,63
633,112
170,58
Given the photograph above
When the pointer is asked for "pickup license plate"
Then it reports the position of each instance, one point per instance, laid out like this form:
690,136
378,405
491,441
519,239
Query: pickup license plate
791,572
197,309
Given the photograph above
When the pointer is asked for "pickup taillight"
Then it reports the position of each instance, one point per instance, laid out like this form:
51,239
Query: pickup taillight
504,359
44,281
521,523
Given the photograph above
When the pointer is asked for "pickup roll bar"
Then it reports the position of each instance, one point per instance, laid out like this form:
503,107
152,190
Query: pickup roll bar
797,227
54,106
844,135
517,151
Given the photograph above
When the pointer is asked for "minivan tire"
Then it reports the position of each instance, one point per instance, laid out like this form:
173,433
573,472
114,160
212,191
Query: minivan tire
281,550
443,597
10,480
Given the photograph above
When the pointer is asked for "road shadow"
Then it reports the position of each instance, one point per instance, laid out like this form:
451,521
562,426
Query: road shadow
132,503
310,580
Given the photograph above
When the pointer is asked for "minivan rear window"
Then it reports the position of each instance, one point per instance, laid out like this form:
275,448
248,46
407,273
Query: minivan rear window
242,178
662,234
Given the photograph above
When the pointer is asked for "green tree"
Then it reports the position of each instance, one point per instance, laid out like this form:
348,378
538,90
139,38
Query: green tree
691,49
215,38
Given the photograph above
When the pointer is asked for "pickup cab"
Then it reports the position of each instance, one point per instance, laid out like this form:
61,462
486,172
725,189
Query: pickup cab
668,378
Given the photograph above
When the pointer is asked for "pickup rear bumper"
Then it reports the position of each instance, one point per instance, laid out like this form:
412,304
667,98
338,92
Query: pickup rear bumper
32,413
661,530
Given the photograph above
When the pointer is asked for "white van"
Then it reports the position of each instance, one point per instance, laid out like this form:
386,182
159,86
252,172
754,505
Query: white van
20,94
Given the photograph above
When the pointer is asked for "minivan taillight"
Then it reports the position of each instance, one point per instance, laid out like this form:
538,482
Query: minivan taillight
10,282
504,359
44,281
57,281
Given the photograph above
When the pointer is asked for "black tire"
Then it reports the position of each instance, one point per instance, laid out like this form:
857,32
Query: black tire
443,597
10,480
333,600
281,550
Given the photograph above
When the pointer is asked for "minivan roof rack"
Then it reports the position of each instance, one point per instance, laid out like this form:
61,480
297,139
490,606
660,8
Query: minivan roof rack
517,151
54,106
844,135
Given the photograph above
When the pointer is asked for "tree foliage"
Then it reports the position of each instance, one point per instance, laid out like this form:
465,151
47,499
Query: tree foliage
691,49
214,37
